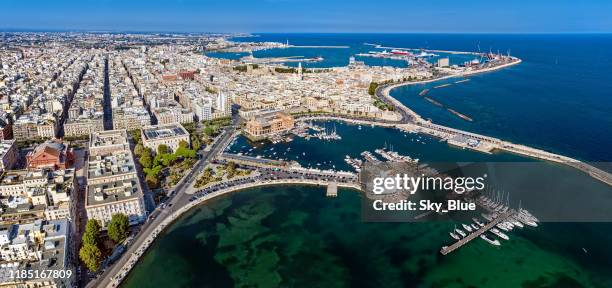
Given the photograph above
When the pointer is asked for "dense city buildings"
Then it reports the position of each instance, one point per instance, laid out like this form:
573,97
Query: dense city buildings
39,246
36,194
59,89
85,114
170,135
112,180
129,111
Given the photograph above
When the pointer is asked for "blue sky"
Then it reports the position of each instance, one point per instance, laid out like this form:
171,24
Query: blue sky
458,16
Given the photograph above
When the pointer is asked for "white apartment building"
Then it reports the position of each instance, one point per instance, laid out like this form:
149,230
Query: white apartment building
113,184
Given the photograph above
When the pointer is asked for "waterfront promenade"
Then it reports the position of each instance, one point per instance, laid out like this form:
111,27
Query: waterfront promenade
137,250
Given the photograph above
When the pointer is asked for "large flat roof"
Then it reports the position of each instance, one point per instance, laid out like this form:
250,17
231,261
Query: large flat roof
164,131
108,138
116,191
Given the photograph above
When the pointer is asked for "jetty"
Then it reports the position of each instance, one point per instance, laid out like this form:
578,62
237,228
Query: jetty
460,115
332,189
442,86
475,234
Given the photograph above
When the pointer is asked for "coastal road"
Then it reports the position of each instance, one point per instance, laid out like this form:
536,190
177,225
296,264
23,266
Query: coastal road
382,95
176,200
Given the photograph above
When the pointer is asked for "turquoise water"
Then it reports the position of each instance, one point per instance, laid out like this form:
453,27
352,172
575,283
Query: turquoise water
293,236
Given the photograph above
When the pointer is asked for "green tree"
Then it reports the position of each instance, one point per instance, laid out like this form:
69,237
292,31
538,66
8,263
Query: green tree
168,159
372,88
185,153
139,149
92,231
164,160
183,144
195,142
153,171
145,159
163,149
152,181
89,239
118,227
91,256
209,130
231,169
136,135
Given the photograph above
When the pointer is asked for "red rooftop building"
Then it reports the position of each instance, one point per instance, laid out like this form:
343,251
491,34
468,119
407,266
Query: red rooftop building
51,154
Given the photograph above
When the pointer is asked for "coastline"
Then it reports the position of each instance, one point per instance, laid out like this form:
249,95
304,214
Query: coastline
419,125
489,144
135,257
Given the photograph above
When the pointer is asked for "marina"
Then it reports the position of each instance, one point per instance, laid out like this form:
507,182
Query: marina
499,216
304,128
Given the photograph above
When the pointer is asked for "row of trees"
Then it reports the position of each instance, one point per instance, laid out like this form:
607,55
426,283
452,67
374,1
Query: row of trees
212,128
229,171
194,136
90,252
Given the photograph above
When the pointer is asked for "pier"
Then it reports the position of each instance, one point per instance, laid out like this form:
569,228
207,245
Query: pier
473,235
332,189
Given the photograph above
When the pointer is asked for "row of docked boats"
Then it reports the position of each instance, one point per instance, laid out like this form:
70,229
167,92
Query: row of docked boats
496,208
387,155
519,218
458,233
368,156
394,156
353,162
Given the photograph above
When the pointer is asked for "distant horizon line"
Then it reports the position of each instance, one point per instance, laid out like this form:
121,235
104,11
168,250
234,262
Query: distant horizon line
119,31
